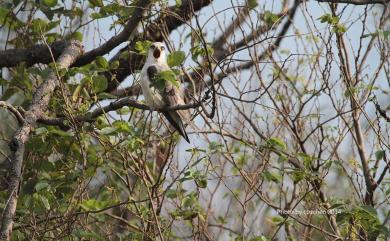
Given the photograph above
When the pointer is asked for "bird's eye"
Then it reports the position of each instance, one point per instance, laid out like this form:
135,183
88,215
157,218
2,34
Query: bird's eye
152,47
162,48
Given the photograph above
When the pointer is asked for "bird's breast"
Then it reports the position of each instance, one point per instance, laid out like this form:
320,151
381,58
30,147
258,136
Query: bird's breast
152,96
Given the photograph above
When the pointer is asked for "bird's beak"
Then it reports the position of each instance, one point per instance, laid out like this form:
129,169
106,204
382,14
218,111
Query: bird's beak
157,53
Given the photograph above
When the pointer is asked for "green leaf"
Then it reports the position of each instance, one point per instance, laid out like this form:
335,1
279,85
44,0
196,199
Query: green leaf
379,155
123,111
41,131
215,146
190,201
270,18
96,3
326,18
142,47
97,15
277,143
386,34
339,28
52,37
126,12
252,3
41,185
99,83
104,96
50,3
168,75
114,64
38,25
273,177
108,130
12,23
171,193
198,51
3,14
176,58
259,238
307,159
61,133
87,235
123,126
52,24
201,182
178,3
370,210
101,62
277,220
45,202
297,176
93,205
77,36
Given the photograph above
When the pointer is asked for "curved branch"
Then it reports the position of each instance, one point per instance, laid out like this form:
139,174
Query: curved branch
13,110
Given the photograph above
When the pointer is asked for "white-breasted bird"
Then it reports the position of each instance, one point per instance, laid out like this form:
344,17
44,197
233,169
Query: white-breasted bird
168,95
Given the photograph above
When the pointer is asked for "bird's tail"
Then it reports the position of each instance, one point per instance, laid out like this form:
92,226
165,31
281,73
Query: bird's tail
175,120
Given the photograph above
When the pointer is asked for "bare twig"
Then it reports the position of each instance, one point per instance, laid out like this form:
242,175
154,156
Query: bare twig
13,110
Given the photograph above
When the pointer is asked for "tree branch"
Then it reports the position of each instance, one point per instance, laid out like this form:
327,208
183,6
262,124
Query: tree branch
13,110
36,110
117,39
37,54
41,54
115,105
357,2
381,112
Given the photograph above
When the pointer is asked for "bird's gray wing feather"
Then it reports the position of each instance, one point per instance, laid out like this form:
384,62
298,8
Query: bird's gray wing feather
152,71
171,97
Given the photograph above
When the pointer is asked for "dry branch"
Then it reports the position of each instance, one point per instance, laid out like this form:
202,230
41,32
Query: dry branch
357,2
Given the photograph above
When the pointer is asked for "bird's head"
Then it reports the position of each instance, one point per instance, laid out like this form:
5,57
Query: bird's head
157,52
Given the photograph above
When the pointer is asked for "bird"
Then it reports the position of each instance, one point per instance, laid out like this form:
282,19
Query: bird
165,96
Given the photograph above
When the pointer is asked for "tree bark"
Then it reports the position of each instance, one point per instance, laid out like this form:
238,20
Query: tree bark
36,110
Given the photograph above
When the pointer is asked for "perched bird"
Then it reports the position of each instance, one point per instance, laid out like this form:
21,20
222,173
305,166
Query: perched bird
168,94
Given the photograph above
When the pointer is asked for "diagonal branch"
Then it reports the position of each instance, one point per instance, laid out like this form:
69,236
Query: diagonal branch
36,110
123,36
357,2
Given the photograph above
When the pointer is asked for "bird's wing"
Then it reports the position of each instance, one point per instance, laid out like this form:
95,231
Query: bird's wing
171,97
152,71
